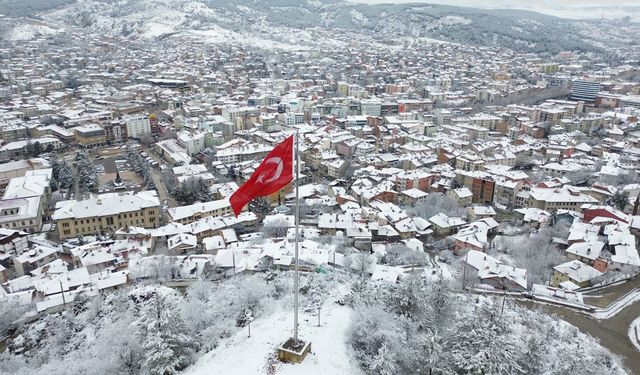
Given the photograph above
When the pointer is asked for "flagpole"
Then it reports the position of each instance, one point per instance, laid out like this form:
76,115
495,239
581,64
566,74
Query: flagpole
295,280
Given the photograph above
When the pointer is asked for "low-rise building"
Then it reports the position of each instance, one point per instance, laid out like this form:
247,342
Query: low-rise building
574,271
197,211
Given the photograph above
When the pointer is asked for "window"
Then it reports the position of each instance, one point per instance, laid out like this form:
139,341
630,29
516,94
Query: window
66,232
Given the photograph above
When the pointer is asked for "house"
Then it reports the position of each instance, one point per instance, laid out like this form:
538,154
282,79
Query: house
24,203
181,243
411,196
213,244
622,245
566,198
593,211
444,225
575,271
588,253
480,212
359,236
34,258
475,235
193,212
534,216
493,272
462,195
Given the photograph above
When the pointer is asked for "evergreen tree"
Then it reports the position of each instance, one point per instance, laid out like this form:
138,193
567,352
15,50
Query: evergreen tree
484,345
168,346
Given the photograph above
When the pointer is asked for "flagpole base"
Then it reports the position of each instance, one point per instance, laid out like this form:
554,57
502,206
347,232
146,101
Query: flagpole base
290,353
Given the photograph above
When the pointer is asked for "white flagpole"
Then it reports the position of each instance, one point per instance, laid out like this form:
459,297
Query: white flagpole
295,280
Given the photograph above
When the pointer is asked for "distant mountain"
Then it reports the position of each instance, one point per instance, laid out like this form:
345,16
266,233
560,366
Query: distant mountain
519,30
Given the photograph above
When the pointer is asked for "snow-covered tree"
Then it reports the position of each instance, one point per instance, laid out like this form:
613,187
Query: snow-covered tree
436,203
168,345
275,228
402,255
483,344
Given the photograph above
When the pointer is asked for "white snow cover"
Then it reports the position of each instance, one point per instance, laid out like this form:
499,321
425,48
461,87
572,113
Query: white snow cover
29,31
330,353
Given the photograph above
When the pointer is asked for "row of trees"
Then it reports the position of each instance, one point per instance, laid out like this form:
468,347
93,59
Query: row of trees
421,327
141,166
87,174
35,149
191,190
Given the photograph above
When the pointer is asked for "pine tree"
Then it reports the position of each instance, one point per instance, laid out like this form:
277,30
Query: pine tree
169,347
483,345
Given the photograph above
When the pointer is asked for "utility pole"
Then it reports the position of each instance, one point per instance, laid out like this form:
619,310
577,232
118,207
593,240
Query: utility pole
296,273
248,314
62,291
464,272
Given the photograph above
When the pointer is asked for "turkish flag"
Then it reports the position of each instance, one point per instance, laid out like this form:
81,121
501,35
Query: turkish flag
274,173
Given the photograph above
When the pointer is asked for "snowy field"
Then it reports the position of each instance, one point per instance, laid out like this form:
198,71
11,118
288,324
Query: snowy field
330,354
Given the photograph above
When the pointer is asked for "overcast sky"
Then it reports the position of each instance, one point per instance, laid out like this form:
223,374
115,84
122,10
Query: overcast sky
561,8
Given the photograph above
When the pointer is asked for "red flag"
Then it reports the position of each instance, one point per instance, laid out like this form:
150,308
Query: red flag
274,173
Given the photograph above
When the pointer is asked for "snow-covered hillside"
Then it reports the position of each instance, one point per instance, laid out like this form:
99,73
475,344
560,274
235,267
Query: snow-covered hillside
330,352
367,327
247,19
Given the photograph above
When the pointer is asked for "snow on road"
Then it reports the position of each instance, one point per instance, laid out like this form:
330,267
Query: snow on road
634,333
618,305
330,353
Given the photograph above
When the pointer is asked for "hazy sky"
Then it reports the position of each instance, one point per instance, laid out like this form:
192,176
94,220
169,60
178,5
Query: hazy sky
561,8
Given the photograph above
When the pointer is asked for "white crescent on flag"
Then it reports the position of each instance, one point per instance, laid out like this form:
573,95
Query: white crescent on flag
277,173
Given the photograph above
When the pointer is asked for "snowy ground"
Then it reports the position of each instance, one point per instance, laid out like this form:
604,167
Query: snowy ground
633,328
29,31
330,353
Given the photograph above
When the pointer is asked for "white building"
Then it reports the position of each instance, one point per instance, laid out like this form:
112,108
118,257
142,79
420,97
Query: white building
193,142
137,126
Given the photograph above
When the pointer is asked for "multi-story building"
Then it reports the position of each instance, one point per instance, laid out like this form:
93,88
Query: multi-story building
23,204
137,126
34,258
90,135
585,90
107,212
566,198
193,142
13,149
